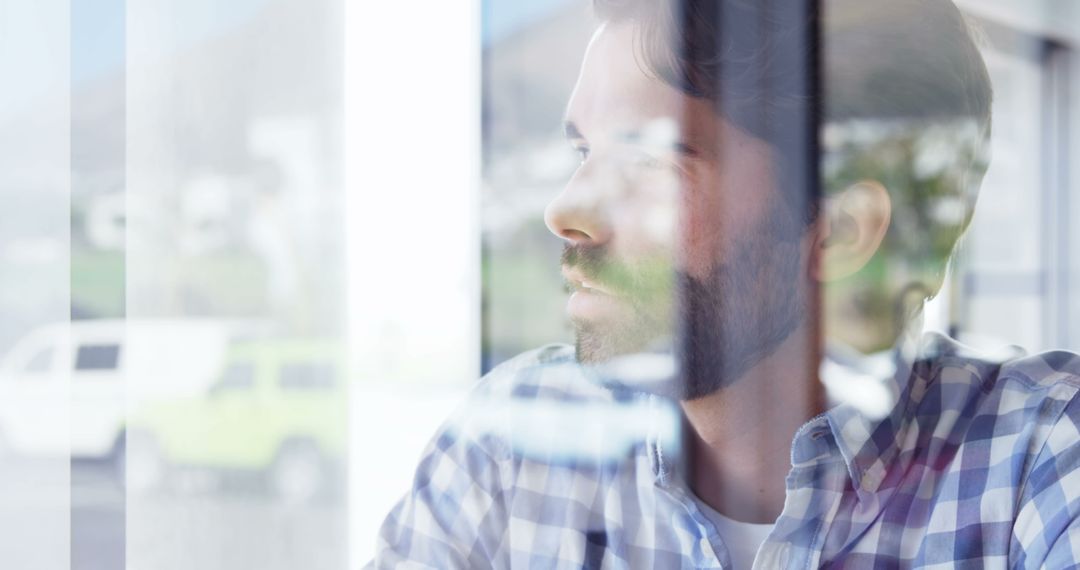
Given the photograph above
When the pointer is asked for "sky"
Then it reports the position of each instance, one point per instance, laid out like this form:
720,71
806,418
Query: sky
98,26
97,38
39,53
504,17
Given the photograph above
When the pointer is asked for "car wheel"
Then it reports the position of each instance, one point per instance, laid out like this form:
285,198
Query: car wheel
6,450
298,473
139,464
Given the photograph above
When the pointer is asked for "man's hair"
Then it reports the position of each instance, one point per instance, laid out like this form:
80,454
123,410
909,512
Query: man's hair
900,59
894,73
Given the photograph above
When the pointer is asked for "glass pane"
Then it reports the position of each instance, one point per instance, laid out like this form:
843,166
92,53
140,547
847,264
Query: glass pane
239,376
307,376
412,171
36,506
97,357
235,273
770,285
539,283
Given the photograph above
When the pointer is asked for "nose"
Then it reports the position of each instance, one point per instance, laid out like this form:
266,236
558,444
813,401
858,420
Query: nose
580,213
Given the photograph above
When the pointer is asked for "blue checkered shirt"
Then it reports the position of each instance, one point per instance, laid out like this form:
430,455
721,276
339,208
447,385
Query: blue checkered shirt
977,466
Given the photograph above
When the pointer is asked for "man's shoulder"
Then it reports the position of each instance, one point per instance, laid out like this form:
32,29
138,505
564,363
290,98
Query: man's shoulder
1046,370
1009,399
1053,373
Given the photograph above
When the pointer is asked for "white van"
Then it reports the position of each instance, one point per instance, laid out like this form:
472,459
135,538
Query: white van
65,388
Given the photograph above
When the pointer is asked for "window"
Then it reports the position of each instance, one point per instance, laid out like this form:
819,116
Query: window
238,376
568,247
307,376
97,357
41,361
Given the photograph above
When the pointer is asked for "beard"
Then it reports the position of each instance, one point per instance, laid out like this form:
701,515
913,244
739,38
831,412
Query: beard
717,327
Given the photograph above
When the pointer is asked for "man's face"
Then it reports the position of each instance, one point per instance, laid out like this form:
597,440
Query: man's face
676,238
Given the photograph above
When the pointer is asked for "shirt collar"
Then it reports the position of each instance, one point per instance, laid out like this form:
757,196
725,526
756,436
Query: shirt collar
873,449
869,447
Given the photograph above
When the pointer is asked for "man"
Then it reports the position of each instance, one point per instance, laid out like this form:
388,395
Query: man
690,239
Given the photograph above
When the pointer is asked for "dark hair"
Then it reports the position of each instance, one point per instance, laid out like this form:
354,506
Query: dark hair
904,59
911,68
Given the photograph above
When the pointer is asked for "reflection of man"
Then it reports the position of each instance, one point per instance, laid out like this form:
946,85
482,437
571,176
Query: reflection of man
683,234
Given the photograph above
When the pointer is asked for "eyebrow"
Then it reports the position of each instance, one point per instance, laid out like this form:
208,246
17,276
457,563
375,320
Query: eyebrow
572,132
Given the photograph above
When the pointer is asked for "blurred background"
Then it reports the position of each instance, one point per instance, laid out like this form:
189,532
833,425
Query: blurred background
254,252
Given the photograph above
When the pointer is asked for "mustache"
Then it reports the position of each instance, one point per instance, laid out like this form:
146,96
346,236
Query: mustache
641,279
590,260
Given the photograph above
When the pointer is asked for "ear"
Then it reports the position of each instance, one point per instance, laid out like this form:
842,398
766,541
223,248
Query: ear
851,230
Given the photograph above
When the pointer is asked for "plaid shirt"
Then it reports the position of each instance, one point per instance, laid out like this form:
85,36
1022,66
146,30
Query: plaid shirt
975,467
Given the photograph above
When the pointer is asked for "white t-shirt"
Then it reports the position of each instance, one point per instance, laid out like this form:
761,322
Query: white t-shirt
742,539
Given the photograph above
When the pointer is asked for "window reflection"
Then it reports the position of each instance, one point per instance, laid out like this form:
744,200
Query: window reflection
785,336
507,283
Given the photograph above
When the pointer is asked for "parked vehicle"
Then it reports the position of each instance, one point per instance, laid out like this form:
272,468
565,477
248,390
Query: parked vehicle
65,388
278,408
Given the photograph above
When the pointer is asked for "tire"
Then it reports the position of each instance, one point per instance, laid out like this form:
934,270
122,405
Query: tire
7,452
138,463
298,474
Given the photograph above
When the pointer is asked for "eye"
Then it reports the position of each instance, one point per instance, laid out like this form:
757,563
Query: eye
646,160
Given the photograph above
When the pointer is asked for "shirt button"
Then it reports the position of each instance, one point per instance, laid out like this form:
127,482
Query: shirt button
706,547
